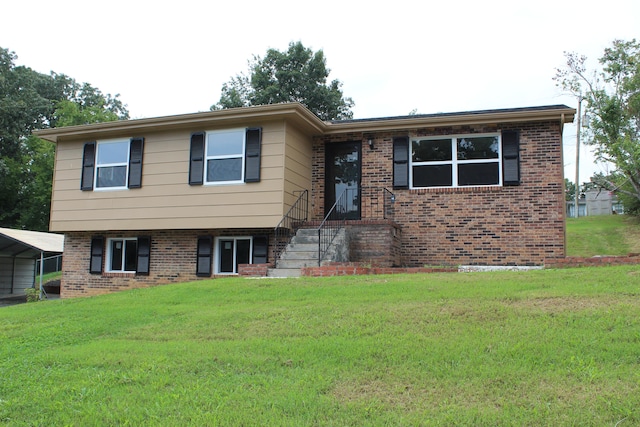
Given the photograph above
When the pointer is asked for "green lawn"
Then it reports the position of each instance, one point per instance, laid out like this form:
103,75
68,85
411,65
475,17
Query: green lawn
603,235
540,348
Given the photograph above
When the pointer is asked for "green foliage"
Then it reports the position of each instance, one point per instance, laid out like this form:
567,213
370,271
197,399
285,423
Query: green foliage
29,101
552,347
297,75
33,294
612,97
569,190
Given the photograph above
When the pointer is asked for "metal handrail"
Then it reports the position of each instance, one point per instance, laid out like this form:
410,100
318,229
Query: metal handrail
332,223
297,214
389,201
339,212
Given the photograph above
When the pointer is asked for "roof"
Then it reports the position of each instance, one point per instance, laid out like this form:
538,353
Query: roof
298,114
29,244
505,115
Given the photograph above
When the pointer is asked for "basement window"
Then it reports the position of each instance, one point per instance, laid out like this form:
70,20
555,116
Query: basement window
122,255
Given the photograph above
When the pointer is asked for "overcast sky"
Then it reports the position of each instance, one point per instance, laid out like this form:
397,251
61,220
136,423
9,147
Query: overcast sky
166,58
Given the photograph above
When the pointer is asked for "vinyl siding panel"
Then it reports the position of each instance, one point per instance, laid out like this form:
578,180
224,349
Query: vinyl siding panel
297,170
165,199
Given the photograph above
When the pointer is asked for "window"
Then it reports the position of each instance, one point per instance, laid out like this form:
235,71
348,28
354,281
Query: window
112,164
225,156
112,160
122,255
229,156
231,251
460,161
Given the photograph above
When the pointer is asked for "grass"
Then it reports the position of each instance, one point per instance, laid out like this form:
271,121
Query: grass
56,275
603,235
550,347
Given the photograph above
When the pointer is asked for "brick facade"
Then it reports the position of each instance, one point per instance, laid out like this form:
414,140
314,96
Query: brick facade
520,225
172,260
375,242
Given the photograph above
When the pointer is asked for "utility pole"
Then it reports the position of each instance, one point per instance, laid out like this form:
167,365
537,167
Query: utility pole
577,195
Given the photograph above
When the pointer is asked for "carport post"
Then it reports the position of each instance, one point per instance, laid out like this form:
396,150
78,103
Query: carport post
41,273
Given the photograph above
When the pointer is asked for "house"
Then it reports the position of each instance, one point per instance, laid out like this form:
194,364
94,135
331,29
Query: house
19,252
596,202
171,199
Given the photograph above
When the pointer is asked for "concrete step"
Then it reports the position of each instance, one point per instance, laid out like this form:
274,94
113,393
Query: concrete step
283,272
302,251
296,254
307,232
296,263
307,240
303,246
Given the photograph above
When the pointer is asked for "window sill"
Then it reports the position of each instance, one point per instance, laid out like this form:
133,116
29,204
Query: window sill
118,274
475,189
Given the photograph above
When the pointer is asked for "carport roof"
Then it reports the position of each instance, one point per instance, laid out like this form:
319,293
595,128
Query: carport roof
29,244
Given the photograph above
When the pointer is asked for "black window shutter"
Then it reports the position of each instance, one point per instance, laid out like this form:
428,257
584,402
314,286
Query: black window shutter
401,162
143,256
252,155
97,251
205,256
88,162
196,163
136,148
260,249
511,157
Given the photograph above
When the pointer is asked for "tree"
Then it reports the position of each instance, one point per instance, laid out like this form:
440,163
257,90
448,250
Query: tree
569,190
297,75
612,96
28,101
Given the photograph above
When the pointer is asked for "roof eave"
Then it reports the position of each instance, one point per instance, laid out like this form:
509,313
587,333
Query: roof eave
564,115
295,112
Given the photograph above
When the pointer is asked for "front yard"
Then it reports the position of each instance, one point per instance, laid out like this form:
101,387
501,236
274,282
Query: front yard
551,347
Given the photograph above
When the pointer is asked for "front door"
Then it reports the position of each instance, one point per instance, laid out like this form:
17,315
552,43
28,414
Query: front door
343,169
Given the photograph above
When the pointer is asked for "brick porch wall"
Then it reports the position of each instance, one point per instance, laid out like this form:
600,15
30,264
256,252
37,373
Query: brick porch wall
521,225
172,260
376,242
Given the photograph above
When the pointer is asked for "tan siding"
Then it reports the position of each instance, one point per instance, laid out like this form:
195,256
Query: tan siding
239,222
197,201
165,199
297,171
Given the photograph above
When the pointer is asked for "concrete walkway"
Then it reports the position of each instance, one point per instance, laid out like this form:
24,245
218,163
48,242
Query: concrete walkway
8,300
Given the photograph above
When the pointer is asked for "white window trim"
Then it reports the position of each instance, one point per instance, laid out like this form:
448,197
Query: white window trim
207,157
454,162
106,165
216,252
107,268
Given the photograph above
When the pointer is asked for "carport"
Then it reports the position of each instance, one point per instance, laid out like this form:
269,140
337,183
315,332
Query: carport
19,250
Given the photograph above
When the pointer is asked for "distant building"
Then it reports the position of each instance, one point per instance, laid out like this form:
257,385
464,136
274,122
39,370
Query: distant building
596,202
